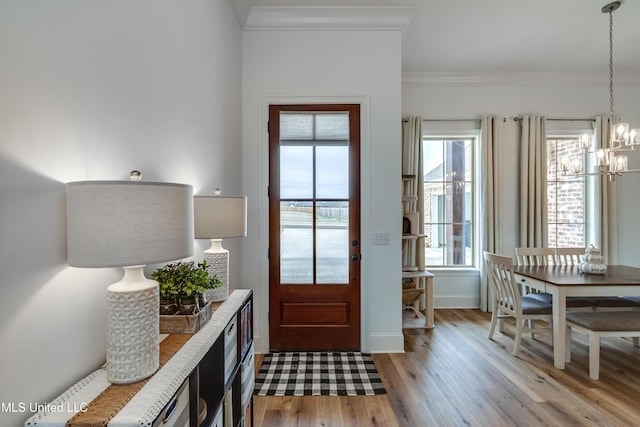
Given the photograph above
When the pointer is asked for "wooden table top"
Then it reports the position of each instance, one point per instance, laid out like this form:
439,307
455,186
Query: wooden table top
570,275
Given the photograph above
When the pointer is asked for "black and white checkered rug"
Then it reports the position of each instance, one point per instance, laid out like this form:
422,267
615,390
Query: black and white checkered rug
318,374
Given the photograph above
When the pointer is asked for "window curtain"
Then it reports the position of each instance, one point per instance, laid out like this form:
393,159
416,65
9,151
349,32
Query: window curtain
606,195
533,182
491,134
412,165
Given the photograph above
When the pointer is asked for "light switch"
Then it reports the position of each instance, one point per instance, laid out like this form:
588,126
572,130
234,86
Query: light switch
381,239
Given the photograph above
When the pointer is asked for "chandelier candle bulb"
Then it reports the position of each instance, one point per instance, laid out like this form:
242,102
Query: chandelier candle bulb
622,132
601,158
621,163
585,142
576,164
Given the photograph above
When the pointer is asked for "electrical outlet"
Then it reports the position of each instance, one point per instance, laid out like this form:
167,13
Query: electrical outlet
381,239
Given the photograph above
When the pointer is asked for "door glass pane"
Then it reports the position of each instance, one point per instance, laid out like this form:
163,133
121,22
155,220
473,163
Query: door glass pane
332,242
332,172
296,172
296,242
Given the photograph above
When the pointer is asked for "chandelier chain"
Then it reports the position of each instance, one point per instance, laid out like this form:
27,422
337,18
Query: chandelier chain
611,62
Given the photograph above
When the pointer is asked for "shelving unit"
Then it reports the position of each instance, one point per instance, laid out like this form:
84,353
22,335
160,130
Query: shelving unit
207,382
417,283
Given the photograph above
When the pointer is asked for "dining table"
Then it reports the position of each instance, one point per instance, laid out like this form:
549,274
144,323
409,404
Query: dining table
562,281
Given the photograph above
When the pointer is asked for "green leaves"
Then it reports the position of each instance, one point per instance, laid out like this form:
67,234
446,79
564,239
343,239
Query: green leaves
184,279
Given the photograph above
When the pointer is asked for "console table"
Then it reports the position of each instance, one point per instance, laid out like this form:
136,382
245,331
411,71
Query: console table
207,380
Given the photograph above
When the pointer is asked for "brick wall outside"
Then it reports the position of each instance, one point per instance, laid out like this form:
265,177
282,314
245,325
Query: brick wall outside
565,197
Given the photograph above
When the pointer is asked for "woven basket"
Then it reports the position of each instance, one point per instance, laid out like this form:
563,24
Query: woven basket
409,296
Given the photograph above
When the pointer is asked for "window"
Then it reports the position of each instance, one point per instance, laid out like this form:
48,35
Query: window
449,199
566,195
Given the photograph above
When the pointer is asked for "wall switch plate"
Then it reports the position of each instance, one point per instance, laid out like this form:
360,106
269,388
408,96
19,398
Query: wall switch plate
381,239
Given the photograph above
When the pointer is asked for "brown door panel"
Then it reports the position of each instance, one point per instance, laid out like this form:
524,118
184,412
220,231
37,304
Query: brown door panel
314,227
311,313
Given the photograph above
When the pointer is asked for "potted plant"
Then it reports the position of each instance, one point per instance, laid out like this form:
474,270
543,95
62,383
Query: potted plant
183,283
167,279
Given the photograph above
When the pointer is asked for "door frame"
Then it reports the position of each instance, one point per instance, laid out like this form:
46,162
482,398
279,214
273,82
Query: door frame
261,289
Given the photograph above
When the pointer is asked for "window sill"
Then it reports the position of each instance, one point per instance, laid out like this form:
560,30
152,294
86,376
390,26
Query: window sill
458,272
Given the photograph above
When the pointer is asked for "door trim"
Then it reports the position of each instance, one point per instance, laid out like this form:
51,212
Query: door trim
259,252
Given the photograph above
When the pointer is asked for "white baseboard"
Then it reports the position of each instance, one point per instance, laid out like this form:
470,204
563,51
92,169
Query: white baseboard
260,346
462,301
385,343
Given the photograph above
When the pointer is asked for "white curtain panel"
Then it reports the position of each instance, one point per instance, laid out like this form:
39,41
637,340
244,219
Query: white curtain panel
533,182
606,194
491,136
412,165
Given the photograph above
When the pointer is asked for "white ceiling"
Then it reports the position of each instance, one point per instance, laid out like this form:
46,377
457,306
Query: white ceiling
456,37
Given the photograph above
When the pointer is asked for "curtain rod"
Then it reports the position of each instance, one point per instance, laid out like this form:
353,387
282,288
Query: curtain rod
519,119
445,120
515,119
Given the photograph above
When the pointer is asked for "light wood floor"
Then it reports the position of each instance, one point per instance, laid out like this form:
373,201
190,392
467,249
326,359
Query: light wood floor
454,376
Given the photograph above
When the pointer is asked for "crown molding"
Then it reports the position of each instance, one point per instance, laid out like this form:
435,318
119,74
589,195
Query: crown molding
415,79
312,18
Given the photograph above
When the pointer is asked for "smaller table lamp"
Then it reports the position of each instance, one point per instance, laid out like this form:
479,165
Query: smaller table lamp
216,218
129,224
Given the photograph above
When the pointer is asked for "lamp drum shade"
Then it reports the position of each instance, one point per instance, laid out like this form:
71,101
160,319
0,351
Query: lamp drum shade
125,223
220,217
217,218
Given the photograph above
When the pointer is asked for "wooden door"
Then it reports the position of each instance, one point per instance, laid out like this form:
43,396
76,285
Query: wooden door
314,227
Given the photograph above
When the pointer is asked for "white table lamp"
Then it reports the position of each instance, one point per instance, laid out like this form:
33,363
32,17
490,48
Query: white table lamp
217,218
129,224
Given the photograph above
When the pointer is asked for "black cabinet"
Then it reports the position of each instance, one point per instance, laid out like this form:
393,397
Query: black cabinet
224,383
207,382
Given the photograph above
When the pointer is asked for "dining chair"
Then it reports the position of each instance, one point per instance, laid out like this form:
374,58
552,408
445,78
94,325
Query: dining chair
535,256
539,256
569,256
508,301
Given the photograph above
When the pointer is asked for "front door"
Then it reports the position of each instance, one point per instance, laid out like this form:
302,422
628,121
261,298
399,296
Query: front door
314,227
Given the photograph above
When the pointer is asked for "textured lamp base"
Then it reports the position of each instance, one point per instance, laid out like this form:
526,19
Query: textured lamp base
218,265
133,342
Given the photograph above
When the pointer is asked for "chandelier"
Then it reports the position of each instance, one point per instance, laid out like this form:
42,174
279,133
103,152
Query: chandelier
612,160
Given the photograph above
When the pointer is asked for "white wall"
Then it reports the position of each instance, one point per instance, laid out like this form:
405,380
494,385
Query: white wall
92,90
339,66
549,95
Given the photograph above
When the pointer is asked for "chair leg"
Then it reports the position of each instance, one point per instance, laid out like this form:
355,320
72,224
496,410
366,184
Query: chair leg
532,324
501,324
594,356
636,342
494,319
567,345
518,336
